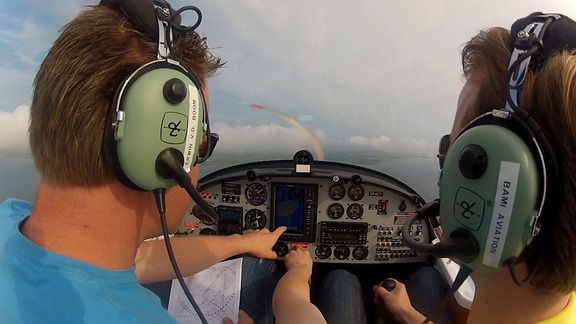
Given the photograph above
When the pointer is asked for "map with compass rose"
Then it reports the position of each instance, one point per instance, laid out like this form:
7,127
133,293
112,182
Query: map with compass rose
216,290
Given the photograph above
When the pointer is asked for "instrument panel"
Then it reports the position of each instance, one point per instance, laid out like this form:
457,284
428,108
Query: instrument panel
341,213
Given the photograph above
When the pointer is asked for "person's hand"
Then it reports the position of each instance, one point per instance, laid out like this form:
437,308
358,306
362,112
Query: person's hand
397,302
243,318
260,242
298,258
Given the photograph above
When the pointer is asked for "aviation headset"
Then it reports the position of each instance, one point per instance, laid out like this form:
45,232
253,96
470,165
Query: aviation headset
160,107
500,174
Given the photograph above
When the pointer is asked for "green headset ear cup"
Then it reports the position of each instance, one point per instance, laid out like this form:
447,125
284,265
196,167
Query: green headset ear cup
149,124
498,206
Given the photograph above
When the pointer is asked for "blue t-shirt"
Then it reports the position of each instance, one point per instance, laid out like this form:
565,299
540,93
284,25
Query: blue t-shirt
39,286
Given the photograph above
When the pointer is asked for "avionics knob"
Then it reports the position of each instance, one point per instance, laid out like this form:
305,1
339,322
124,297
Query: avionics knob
174,91
473,161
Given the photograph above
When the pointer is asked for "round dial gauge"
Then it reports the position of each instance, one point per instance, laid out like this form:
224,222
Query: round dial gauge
355,211
281,248
356,192
256,194
337,191
255,219
323,251
335,211
360,252
341,252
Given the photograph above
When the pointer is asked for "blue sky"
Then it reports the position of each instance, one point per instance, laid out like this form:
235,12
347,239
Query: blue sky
378,75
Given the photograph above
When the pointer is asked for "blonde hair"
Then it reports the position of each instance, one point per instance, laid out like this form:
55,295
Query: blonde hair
549,95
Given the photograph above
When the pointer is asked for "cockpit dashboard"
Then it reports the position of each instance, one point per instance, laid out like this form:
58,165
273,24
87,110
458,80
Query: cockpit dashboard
341,213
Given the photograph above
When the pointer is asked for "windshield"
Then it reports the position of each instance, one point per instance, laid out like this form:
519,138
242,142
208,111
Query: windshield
373,84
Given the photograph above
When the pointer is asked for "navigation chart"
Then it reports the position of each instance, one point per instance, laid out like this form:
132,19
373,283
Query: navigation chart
216,290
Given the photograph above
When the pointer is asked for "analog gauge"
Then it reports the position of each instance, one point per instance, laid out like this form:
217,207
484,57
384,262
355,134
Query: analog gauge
341,252
337,191
356,192
335,211
256,194
255,219
202,215
355,211
280,248
360,252
323,251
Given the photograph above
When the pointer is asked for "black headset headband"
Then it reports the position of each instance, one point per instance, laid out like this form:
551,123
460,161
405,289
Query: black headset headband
140,13
560,35
143,15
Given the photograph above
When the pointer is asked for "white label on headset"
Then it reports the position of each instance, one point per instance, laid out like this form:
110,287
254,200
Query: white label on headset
190,150
503,206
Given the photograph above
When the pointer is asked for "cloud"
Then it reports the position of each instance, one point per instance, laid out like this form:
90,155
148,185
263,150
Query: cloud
267,138
369,142
369,76
367,73
270,138
26,39
15,87
14,129
281,140
389,73
28,28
